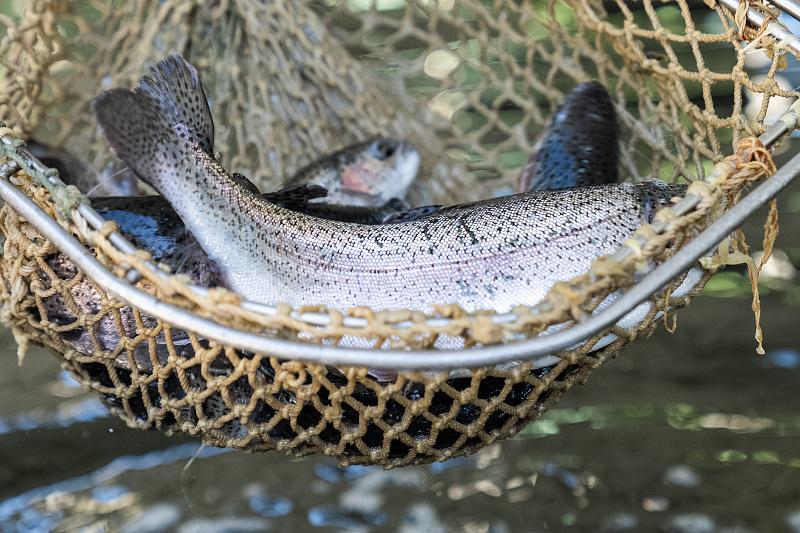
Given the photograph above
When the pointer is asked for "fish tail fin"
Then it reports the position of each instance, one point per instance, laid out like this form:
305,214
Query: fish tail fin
296,196
155,127
581,145
137,131
175,85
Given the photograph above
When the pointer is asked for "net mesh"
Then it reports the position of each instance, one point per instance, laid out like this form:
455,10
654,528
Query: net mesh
471,83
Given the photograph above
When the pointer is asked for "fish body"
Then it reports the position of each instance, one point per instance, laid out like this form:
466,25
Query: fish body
580,146
369,173
151,224
494,254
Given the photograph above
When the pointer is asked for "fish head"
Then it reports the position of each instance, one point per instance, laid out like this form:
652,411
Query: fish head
379,169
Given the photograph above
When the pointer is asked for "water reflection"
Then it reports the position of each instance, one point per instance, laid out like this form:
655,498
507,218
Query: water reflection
65,414
93,492
223,490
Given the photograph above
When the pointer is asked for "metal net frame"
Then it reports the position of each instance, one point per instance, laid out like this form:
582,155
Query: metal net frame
472,84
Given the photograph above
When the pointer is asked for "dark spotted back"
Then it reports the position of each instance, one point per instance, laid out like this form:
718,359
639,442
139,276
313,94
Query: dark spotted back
581,146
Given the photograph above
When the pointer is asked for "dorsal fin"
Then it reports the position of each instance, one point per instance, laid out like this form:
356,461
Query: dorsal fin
245,183
138,132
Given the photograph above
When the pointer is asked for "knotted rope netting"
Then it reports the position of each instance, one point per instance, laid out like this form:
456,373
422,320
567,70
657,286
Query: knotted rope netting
471,83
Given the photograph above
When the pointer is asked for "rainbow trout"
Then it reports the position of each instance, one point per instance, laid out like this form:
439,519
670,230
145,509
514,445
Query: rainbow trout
494,254
152,225
370,173
566,156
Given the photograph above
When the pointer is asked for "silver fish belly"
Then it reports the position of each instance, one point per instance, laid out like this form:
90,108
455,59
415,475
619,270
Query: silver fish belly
492,255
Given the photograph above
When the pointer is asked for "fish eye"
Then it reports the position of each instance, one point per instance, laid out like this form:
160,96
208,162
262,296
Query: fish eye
384,149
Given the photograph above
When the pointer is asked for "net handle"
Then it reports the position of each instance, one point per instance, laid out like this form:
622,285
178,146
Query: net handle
413,359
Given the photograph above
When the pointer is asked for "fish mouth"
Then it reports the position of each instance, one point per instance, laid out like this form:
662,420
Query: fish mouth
407,163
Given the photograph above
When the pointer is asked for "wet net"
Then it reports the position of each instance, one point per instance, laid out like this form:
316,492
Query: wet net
472,84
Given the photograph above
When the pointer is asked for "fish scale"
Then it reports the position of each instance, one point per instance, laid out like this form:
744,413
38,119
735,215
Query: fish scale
492,255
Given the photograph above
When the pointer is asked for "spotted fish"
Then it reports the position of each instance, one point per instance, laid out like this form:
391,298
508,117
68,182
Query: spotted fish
494,254
151,223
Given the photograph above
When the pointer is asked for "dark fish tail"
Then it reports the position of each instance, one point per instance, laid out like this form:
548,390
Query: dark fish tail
151,129
581,145
136,130
176,86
